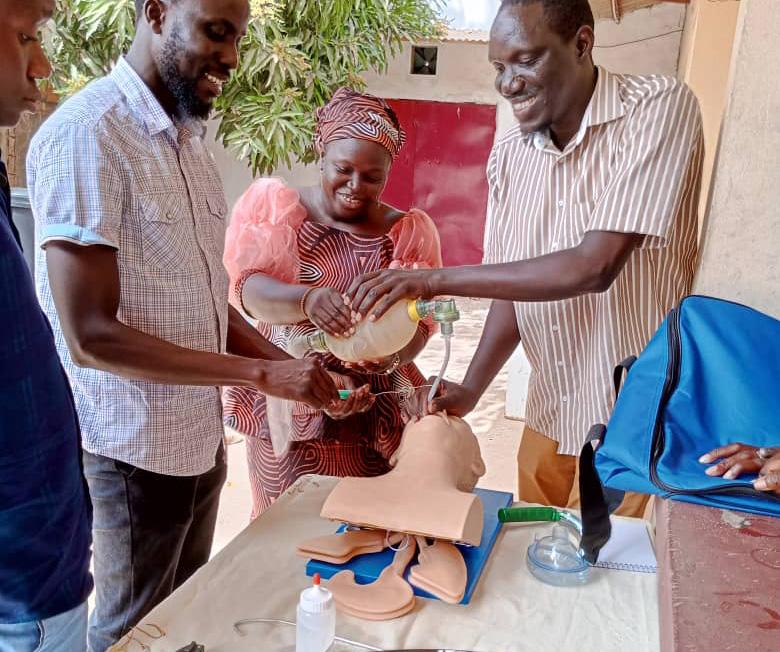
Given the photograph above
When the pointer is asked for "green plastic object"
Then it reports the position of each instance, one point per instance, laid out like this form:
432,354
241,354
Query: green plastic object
344,394
528,514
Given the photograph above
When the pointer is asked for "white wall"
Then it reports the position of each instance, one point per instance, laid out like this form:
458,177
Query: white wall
741,242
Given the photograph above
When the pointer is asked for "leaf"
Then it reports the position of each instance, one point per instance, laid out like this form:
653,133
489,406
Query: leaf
295,55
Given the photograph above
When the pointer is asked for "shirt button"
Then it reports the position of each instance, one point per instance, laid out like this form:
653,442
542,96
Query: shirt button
560,203
560,363
555,328
565,399
167,217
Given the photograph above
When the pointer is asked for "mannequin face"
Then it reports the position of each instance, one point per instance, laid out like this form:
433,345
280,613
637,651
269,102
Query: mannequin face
438,440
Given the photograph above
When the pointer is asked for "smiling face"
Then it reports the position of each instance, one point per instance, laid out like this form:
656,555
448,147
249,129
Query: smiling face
354,174
22,60
198,48
539,72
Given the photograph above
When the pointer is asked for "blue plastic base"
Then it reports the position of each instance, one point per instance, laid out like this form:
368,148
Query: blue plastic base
368,567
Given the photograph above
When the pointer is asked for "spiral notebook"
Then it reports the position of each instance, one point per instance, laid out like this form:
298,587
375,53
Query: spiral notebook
629,548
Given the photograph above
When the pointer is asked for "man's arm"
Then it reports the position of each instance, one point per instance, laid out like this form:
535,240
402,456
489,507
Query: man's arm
500,337
658,167
85,287
592,266
244,340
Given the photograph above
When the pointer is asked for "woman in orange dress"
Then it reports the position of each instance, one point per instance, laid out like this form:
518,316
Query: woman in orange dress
291,254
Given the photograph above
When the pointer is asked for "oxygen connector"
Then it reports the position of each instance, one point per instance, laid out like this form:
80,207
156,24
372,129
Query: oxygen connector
444,312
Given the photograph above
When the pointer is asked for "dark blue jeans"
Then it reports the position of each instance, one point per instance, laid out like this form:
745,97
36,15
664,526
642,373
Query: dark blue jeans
150,533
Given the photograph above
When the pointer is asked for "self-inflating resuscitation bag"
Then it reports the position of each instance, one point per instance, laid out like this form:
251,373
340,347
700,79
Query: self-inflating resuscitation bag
709,377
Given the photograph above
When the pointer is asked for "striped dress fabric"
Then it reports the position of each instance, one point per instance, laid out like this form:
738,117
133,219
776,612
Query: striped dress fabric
360,445
634,167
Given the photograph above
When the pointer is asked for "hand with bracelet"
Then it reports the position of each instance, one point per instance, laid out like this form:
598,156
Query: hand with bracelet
380,366
328,310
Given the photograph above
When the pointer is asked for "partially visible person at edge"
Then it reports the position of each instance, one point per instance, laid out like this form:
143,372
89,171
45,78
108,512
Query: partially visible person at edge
590,236
130,218
291,254
736,459
45,514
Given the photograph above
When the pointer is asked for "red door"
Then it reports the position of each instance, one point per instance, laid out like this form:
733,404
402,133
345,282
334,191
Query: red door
441,169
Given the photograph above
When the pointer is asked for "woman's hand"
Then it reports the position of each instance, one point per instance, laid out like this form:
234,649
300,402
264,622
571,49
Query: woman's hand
359,400
329,311
735,459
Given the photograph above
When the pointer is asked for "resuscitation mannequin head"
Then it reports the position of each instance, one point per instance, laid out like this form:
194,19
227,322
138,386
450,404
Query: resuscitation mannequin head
441,443
429,490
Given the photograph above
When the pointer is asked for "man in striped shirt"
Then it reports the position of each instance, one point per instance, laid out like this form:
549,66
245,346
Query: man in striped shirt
590,236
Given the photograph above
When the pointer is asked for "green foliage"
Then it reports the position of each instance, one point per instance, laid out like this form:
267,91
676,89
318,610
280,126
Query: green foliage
87,38
295,55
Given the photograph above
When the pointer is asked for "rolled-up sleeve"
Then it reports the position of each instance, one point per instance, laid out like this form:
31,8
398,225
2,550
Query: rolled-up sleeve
75,185
661,144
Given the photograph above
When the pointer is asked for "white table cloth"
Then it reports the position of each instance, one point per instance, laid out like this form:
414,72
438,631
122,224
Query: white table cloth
258,575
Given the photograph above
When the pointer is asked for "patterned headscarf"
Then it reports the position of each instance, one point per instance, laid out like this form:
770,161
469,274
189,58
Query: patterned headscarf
350,114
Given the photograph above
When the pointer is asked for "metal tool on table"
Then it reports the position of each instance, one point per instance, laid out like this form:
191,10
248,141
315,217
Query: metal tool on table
553,559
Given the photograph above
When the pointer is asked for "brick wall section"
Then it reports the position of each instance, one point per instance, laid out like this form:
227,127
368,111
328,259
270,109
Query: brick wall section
14,143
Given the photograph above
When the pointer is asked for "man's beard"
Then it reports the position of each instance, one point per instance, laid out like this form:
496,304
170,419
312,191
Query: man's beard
184,90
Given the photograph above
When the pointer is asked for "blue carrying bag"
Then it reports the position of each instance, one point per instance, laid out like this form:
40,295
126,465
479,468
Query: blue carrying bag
709,377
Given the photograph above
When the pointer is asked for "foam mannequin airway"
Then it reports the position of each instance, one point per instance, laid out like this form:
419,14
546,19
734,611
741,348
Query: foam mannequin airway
441,571
390,596
340,548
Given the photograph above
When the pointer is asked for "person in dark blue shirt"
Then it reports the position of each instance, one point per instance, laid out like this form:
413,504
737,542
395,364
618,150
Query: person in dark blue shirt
45,515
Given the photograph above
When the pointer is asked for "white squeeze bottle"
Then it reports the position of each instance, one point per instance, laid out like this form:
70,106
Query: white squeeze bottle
316,622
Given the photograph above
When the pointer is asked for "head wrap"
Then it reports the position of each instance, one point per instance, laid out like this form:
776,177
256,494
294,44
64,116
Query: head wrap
350,114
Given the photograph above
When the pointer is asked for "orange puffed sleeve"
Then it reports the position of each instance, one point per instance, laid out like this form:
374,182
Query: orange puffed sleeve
416,241
262,235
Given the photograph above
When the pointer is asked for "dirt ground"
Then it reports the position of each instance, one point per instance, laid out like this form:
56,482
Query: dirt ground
499,437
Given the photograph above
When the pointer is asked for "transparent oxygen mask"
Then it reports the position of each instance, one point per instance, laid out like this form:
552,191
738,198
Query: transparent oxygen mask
556,559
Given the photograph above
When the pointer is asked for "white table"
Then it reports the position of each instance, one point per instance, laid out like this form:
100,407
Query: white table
258,575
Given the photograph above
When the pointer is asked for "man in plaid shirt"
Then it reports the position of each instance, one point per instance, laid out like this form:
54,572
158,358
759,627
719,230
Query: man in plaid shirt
130,216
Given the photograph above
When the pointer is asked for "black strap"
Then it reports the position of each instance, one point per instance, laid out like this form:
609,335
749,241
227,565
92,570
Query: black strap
597,501
619,371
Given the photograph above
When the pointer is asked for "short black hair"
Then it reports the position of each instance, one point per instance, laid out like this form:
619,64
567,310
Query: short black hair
565,16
